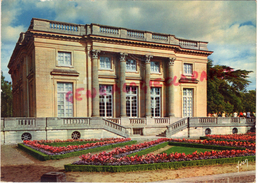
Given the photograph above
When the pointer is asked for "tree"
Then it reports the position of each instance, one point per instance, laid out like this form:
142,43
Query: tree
226,88
249,100
6,97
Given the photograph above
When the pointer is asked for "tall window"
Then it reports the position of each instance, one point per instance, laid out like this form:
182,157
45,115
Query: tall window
188,69
64,58
105,63
131,101
156,102
65,100
155,67
187,102
130,65
105,101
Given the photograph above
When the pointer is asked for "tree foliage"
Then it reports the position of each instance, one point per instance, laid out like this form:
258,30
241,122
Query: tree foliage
6,97
227,90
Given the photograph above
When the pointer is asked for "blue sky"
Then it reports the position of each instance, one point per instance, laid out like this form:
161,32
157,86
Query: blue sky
228,26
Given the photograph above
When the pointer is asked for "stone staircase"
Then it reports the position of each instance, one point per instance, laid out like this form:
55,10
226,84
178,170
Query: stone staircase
163,134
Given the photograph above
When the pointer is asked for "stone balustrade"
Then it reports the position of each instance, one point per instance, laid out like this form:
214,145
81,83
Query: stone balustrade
177,126
115,128
115,120
162,120
110,31
139,121
75,121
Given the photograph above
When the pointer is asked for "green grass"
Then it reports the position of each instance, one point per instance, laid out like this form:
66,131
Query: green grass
149,150
186,150
60,144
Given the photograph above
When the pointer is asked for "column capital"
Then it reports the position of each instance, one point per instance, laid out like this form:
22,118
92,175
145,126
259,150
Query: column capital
122,57
95,53
148,58
171,61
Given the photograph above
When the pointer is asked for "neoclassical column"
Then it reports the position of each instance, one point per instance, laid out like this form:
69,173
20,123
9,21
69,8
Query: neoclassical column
122,84
171,87
95,85
147,84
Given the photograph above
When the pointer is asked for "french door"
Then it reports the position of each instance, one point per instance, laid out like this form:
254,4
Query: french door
187,102
105,101
131,101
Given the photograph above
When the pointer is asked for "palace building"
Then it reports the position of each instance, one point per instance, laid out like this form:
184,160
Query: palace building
61,69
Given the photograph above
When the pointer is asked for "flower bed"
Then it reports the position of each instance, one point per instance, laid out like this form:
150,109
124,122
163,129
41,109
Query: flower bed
52,150
241,144
241,137
46,152
107,161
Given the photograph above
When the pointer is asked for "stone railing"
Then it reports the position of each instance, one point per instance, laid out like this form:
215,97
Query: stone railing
235,119
115,120
135,34
75,121
137,121
58,27
26,122
159,37
110,31
208,120
250,120
115,128
176,127
188,44
63,26
162,120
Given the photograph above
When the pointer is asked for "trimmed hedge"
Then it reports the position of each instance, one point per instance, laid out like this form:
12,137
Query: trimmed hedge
43,157
149,150
154,166
215,147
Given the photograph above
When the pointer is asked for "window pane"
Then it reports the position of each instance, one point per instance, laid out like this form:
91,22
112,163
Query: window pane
105,63
64,58
130,65
155,67
156,102
65,103
188,69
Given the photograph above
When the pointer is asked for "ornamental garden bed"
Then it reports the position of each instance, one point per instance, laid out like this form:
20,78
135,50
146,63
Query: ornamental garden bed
137,157
53,149
248,137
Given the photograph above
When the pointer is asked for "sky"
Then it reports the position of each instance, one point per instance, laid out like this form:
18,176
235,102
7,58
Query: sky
229,27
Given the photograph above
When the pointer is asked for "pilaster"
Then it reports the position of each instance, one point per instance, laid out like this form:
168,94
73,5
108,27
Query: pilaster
147,83
122,84
171,87
95,84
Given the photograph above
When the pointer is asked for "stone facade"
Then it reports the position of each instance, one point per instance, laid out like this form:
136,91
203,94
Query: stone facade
58,69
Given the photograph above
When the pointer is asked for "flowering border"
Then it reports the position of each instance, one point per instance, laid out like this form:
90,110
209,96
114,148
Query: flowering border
43,157
107,161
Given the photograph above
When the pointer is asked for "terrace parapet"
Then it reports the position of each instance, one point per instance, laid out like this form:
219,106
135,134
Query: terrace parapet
44,25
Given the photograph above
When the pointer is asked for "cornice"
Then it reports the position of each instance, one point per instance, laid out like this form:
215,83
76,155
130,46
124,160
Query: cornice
146,44
56,36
